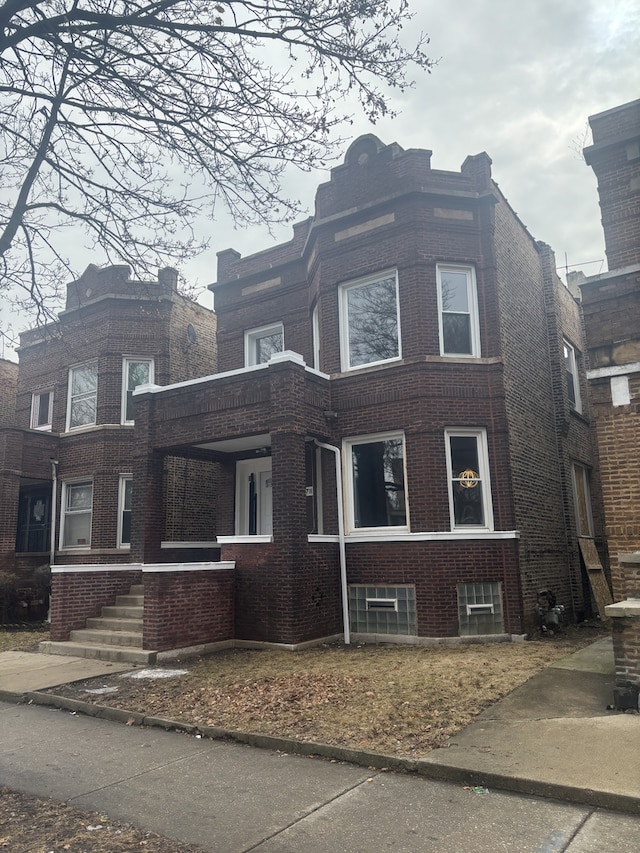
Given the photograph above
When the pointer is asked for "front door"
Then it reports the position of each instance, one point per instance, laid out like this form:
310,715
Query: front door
254,504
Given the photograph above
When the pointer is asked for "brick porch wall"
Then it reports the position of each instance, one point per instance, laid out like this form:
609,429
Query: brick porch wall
188,605
625,624
79,593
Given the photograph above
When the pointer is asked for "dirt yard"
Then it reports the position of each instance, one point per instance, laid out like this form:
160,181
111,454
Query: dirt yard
401,700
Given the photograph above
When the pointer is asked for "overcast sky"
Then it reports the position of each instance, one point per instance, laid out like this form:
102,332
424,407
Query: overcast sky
517,79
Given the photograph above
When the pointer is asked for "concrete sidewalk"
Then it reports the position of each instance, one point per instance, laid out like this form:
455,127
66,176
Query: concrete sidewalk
552,737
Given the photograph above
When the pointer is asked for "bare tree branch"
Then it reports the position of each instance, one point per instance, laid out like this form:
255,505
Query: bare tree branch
132,117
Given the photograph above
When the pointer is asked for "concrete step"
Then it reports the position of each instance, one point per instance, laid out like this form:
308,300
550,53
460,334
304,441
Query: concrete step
136,589
113,623
98,637
123,612
130,600
118,654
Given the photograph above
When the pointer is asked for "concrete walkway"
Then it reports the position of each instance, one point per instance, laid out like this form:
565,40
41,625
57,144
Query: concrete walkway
553,736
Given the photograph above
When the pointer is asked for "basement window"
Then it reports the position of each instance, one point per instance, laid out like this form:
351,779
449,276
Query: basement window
382,609
480,608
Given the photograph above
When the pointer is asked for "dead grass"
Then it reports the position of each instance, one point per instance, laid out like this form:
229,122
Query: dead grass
401,700
35,825
22,639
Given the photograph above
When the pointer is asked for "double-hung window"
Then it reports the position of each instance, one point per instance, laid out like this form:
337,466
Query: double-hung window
124,511
469,489
135,371
83,392
41,410
458,311
370,321
261,344
375,482
572,377
77,508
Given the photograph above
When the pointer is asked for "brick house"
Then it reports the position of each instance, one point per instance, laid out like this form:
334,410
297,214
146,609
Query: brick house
396,442
70,433
611,305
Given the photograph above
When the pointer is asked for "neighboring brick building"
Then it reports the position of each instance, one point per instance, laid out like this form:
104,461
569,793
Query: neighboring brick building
611,306
427,357
72,431
612,321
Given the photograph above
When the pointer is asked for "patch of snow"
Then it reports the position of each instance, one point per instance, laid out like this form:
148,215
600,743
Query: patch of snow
98,691
155,673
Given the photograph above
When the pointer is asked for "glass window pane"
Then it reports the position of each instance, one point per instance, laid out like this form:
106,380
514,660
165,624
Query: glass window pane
77,529
83,380
138,374
378,484
43,409
79,496
83,412
454,291
267,346
372,322
466,481
456,332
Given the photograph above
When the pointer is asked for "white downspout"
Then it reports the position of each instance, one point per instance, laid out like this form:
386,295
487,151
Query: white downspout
54,498
341,539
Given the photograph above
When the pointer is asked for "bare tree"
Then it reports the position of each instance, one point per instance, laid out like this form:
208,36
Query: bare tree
132,117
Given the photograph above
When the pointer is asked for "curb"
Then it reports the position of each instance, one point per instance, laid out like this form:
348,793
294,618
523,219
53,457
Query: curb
429,769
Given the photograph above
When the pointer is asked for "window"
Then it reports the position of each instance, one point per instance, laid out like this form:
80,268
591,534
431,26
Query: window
458,310
261,344
135,371
77,503
469,490
375,480
582,498
83,388
41,409
369,321
124,511
573,380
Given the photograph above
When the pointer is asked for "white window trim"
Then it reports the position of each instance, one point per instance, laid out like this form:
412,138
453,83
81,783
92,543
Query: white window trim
349,494
126,361
345,359
483,463
124,478
35,397
472,296
252,335
315,335
89,364
64,514
573,365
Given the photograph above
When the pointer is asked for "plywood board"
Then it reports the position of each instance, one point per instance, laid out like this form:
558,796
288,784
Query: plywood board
595,573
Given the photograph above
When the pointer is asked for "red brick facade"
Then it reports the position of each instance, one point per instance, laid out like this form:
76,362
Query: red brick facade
424,333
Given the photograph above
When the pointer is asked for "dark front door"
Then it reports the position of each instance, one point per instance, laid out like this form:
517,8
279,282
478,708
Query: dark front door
34,520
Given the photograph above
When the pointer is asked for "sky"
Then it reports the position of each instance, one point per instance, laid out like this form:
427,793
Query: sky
515,78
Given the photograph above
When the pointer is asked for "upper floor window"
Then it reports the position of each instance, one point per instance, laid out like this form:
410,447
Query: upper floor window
77,509
124,511
375,480
260,344
469,488
370,321
135,371
41,410
83,392
573,379
458,311
315,335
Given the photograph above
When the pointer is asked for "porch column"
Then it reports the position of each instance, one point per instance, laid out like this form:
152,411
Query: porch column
147,506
